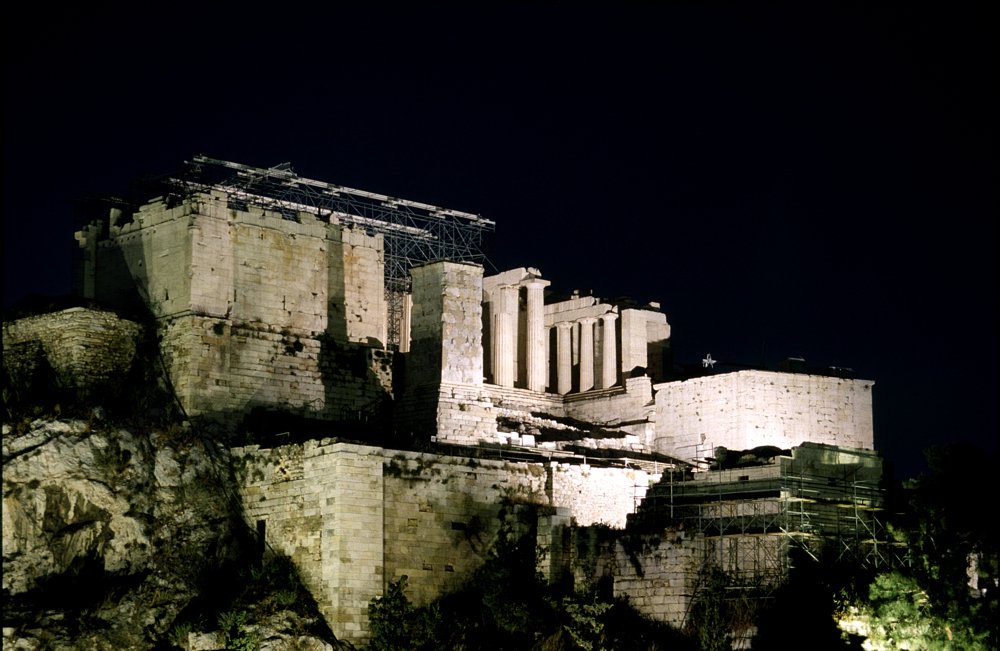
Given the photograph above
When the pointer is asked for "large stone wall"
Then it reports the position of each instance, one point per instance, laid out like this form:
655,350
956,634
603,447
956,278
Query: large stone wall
321,504
746,409
85,348
354,518
256,308
220,368
597,495
631,410
657,573
442,515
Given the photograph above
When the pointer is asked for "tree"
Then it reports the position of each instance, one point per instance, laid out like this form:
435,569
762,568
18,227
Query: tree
936,602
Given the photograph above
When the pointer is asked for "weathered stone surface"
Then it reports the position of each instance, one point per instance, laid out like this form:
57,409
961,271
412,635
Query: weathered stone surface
254,309
354,518
260,308
747,409
111,528
84,348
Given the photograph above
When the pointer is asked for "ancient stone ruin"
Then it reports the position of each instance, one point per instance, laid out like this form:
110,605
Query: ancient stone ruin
358,313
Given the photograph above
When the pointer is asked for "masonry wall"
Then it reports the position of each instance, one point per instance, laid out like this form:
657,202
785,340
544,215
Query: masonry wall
472,411
84,347
522,400
597,495
255,308
465,414
446,323
321,504
145,263
746,409
445,363
635,338
631,410
442,515
354,518
657,573
220,368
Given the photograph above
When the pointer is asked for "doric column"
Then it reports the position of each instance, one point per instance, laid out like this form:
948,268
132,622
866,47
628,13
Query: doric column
503,335
564,357
587,353
534,347
609,360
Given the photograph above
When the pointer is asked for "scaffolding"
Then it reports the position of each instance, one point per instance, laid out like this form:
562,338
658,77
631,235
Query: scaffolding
823,501
413,232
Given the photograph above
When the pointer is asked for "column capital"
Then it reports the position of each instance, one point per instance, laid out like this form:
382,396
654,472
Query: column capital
533,283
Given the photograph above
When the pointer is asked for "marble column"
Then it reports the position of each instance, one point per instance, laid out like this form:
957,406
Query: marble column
609,358
503,335
564,357
535,353
587,353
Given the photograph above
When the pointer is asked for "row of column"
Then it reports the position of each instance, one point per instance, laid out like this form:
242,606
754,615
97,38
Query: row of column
564,353
503,334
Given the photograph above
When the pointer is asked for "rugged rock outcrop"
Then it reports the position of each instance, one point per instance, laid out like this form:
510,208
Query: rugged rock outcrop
108,536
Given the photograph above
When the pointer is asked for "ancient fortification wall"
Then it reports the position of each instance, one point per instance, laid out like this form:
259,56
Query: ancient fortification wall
259,305
221,368
354,518
658,573
746,409
255,309
84,347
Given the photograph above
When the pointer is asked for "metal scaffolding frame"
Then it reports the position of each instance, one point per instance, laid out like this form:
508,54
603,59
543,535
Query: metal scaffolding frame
749,524
413,232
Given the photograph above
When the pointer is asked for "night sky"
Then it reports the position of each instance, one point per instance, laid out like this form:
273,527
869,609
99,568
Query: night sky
817,183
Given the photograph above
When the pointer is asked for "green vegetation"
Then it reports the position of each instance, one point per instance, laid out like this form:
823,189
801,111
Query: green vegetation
938,602
239,635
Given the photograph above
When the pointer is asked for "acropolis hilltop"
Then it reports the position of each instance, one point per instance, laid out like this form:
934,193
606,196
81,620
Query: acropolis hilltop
375,323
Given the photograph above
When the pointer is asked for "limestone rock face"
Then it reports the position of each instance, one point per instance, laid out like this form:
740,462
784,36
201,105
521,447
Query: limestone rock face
106,534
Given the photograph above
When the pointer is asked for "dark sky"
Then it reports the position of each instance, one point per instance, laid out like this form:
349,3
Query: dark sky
815,182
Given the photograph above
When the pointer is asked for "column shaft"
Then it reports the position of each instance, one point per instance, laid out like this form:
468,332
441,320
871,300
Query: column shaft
564,357
503,335
534,348
587,354
609,358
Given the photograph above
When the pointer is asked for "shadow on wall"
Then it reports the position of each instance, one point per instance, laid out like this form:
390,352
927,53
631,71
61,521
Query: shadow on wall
235,371
356,402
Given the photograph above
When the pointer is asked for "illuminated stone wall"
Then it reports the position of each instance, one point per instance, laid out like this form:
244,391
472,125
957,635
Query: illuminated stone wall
354,518
255,308
746,409
85,348
223,369
658,573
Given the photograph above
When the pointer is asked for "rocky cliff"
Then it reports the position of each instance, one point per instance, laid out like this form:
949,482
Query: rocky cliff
118,540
